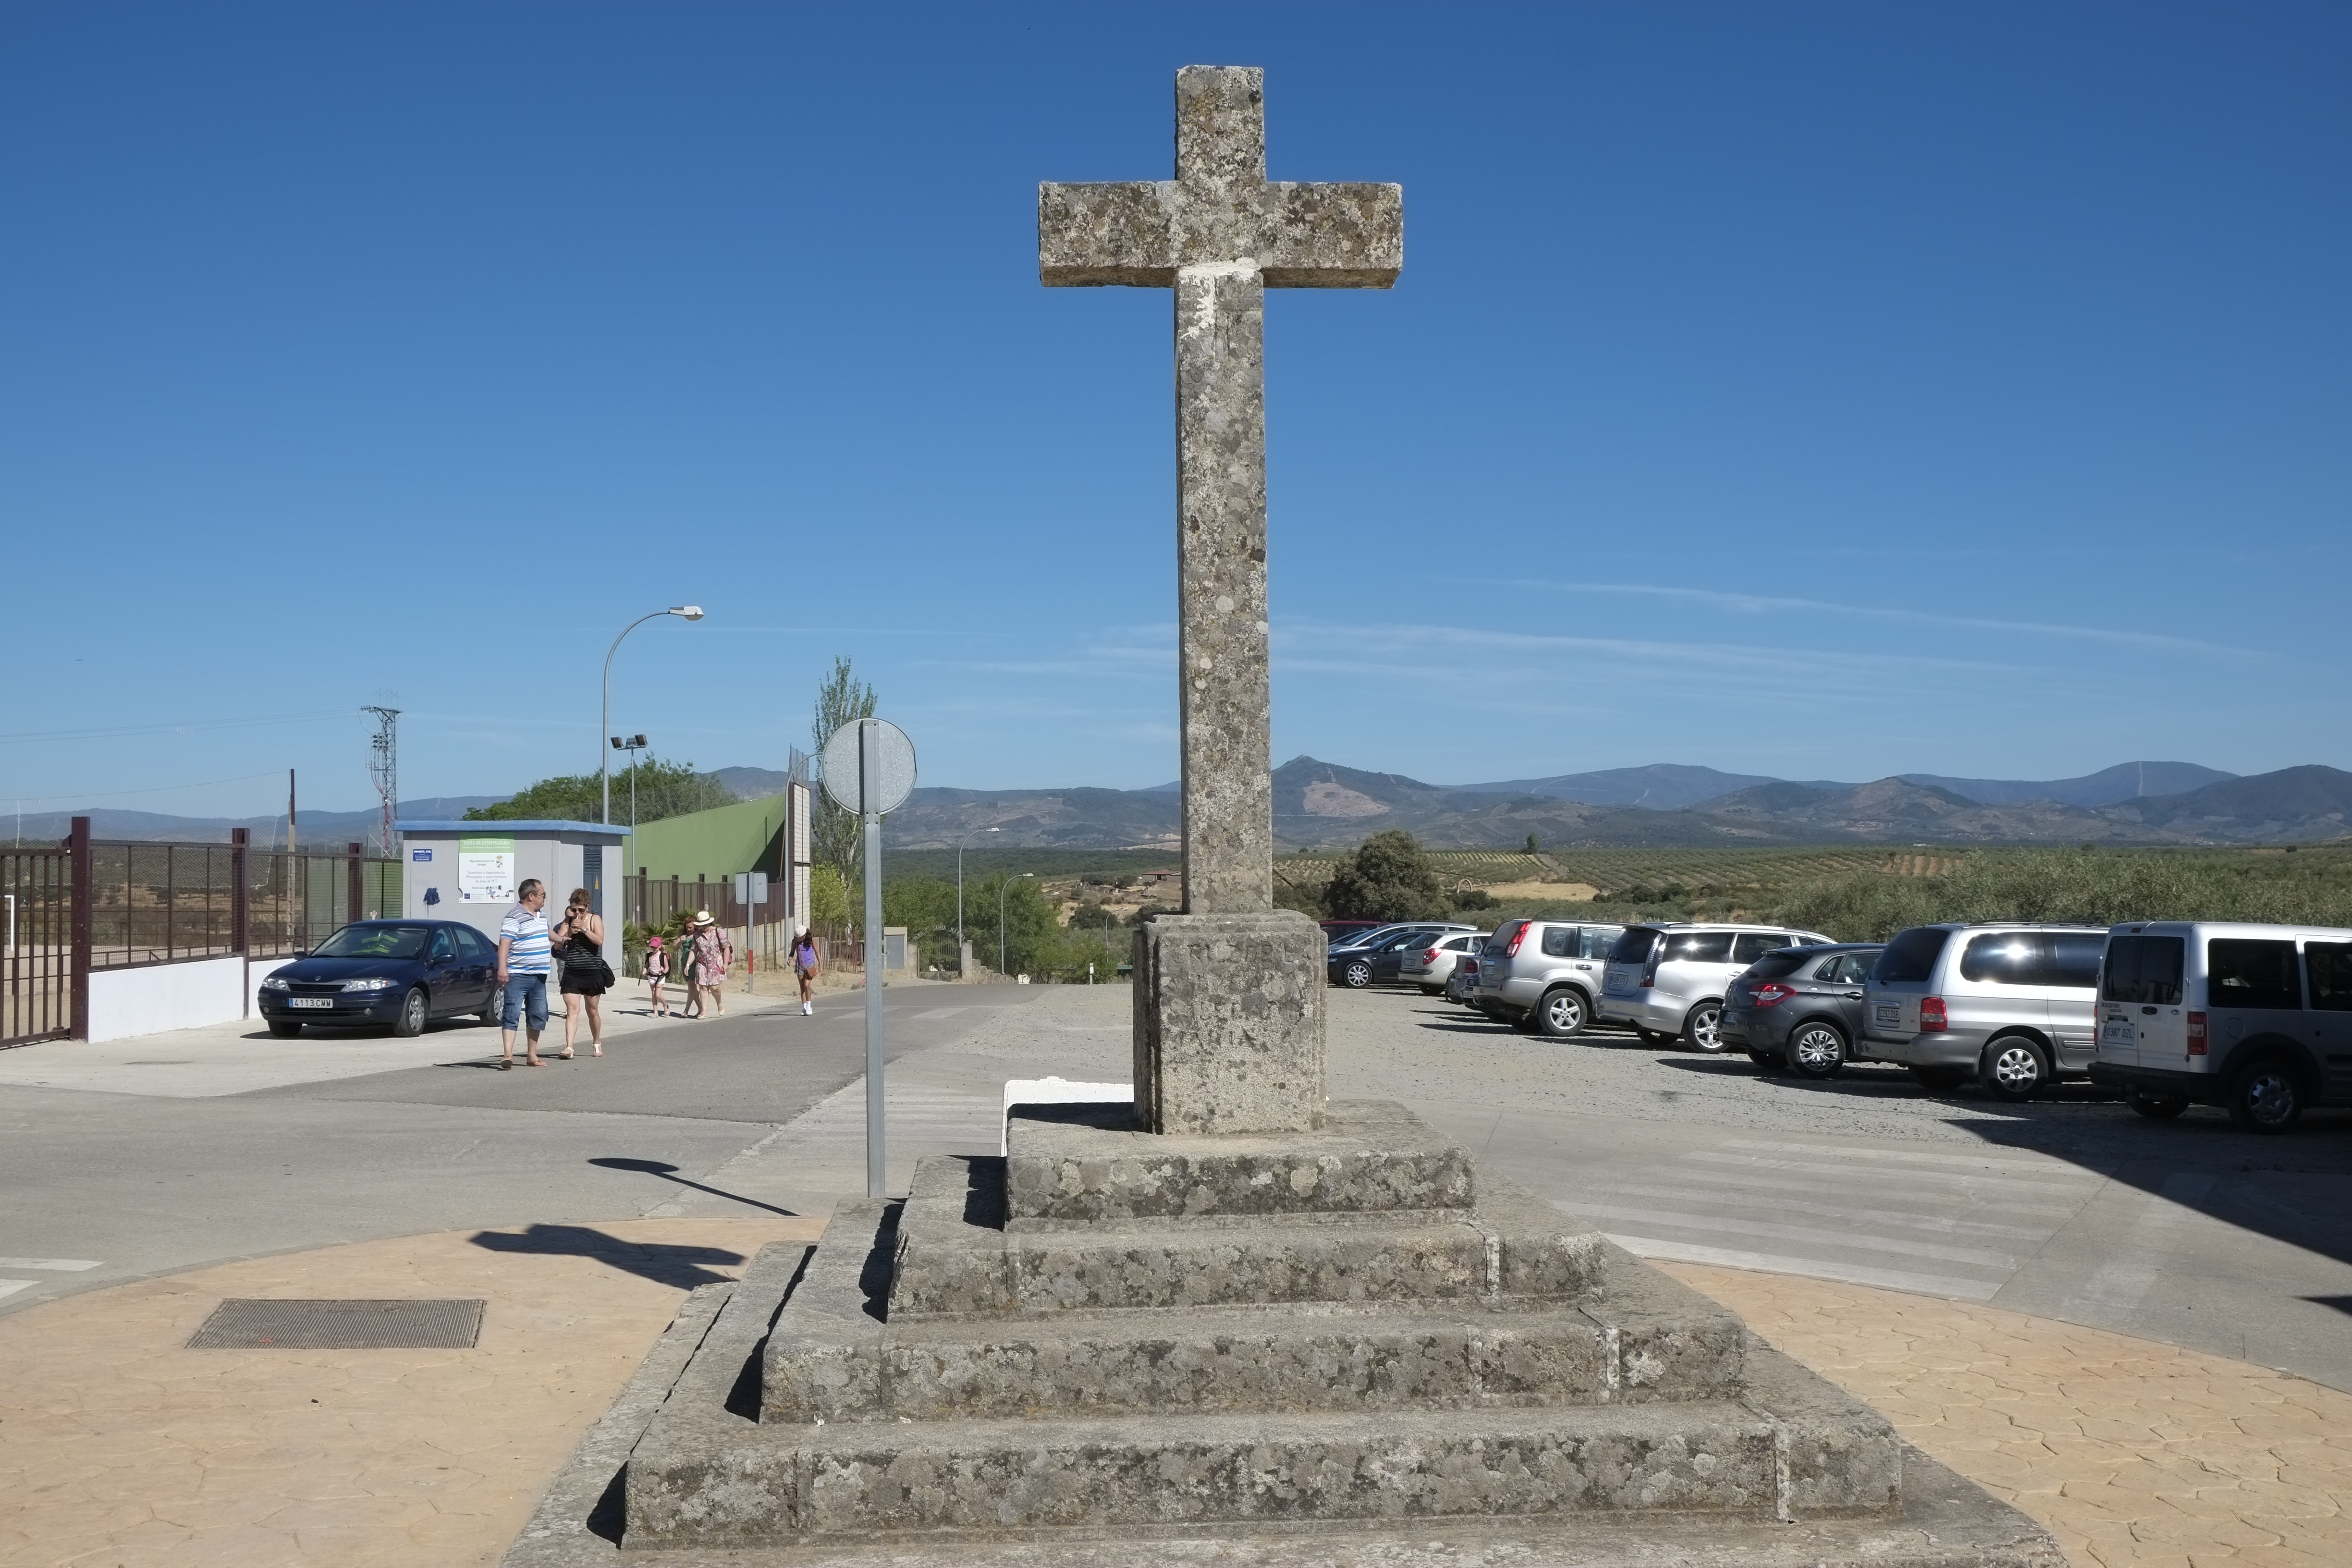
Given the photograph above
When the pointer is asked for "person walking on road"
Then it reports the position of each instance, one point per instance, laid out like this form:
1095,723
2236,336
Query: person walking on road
524,963
804,966
581,937
656,971
709,955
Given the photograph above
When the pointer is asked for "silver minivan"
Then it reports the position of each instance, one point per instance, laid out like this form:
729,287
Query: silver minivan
1668,980
1544,974
2007,1004
2256,1019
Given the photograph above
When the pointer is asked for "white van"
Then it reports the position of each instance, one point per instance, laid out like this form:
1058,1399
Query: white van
2256,1019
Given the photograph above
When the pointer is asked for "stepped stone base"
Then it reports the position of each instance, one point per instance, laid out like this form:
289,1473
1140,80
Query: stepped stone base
1259,1348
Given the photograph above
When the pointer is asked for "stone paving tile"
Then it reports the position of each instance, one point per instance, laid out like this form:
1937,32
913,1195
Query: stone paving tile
2132,1454
121,1448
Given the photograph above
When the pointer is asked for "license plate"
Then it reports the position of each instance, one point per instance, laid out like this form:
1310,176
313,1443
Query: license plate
2118,1032
1889,1013
310,1001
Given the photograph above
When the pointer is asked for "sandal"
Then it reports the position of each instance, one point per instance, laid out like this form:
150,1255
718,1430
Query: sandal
565,1055
507,1065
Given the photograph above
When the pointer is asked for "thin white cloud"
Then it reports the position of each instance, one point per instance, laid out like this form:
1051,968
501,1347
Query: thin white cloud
1762,604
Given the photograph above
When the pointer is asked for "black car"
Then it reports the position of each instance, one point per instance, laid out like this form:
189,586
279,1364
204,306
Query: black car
400,972
1373,958
1800,1008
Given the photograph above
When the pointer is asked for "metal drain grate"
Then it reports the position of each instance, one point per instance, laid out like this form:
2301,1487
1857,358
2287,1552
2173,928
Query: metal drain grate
250,1324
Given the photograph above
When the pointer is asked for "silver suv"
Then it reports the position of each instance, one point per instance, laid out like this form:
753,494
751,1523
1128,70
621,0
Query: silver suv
2007,1004
1668,980
1543,974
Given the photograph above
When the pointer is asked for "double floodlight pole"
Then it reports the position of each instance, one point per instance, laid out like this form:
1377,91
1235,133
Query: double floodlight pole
604,761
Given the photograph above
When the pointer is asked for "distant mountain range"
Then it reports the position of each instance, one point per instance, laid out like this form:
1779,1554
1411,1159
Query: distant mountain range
1321,805
319,830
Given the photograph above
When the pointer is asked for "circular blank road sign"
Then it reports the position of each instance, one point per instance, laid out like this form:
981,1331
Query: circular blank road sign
849,782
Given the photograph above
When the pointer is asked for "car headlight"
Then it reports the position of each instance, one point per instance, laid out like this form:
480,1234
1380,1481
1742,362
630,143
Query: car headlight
273,984
372,982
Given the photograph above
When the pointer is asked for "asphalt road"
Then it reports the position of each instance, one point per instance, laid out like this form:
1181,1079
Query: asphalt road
141,1183
2072,1208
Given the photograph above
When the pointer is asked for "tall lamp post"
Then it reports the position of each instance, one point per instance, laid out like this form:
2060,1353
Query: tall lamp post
605,763
1002,888
967,839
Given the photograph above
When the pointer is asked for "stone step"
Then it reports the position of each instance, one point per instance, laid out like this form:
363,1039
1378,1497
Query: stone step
1794,1448
1090,1165
956,1257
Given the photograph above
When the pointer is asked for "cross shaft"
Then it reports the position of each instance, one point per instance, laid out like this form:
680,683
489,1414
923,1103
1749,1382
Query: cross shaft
1219,235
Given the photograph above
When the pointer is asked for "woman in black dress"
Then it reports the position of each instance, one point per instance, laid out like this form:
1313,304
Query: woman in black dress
579,944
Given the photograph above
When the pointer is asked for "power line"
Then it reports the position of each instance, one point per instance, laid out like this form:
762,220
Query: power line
383,765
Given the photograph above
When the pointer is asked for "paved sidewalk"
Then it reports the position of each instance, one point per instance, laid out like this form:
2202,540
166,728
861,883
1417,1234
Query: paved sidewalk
2131,1453
120,1447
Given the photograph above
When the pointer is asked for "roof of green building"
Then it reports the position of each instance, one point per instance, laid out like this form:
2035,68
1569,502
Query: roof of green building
745,837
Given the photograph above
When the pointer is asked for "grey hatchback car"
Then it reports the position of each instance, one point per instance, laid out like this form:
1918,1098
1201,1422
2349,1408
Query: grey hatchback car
1800,1007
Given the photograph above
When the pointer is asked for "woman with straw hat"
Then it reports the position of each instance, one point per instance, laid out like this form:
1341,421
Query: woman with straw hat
708,952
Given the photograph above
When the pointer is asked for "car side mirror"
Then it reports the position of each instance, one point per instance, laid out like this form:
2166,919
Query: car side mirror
301,952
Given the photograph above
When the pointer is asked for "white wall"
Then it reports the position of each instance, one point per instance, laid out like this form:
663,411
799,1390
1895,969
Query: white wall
158,996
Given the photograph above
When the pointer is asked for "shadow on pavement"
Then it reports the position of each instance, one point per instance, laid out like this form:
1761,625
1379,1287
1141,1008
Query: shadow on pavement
664,1264
669,1174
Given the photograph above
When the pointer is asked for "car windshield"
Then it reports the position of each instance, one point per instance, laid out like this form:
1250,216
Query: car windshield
1776,965
375,941
1634,946
1364,937
1911,957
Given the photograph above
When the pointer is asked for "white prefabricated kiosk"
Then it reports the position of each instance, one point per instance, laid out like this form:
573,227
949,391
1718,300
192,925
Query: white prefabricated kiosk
469,870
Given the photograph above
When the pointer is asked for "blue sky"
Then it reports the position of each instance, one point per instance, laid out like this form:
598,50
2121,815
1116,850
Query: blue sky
1825,391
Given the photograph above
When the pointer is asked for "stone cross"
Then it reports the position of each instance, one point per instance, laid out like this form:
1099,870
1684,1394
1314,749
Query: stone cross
1219,234
1228,994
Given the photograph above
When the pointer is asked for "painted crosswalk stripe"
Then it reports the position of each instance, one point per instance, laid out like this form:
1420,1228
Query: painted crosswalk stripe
1911,1157
1747,1197
10,1287
1813,1269
1851,1240
2038,1186
64,1264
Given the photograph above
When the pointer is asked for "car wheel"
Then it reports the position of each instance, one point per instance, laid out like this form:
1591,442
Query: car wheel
2015,1070
495,1013
1702,1029
284,1031
1563,1013
411,1022
2266,1098
1817,1049
2155,1106
1356,974
1938,1080
1768,1061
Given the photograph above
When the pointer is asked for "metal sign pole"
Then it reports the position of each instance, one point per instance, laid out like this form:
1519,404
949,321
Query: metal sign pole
869,792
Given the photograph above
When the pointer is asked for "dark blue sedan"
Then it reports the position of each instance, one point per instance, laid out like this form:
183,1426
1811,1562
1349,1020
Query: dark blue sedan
403,974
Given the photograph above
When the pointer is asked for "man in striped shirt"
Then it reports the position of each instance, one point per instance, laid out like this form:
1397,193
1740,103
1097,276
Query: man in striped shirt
525,961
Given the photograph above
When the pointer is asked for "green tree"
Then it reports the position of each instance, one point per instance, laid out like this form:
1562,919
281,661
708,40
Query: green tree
664,789
926,907
828,900
1388,879
1535,845
834,835
1032,931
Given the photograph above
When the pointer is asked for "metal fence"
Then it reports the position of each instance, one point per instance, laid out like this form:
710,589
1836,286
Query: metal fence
90,905
36,966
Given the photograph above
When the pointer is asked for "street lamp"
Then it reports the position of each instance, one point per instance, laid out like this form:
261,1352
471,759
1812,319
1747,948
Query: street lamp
604,764
967,839
1002,888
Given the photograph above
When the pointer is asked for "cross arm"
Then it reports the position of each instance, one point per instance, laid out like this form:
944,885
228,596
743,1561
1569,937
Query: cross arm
1332,236
1106,234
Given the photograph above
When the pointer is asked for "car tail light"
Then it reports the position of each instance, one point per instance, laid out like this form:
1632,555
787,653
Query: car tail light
2195,1034
1518,937
1772,993
1650,966
1429,959
1932,1017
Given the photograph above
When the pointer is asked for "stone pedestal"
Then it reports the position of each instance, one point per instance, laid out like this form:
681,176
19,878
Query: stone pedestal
1229,1023
1116,1346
